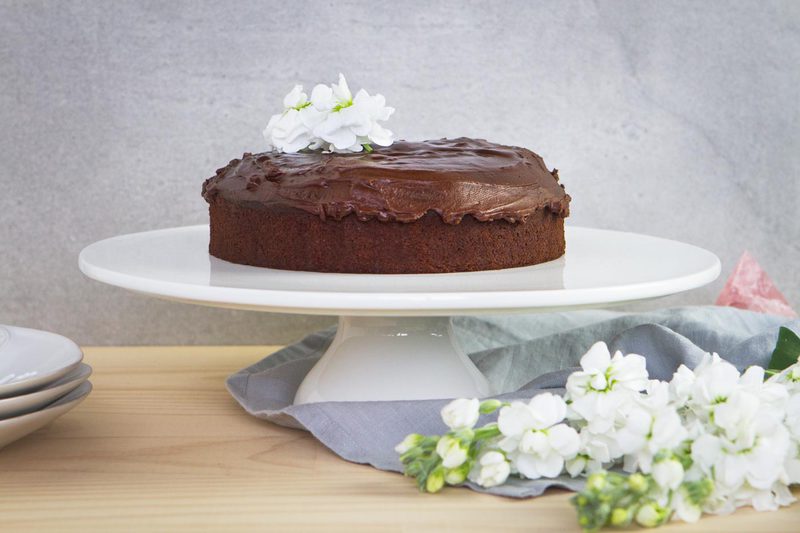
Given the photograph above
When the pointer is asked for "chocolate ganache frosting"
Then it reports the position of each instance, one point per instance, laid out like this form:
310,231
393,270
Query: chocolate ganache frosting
401,182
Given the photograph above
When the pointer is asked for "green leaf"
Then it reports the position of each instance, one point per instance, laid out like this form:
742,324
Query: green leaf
787,350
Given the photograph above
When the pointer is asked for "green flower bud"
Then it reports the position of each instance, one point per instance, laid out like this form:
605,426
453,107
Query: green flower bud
620,517
435,480
490,406
603,510
411,441
638,483
651,515
457,476
597,481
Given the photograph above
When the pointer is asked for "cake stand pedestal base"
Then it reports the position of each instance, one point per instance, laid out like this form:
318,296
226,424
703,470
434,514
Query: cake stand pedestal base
385,357
393,358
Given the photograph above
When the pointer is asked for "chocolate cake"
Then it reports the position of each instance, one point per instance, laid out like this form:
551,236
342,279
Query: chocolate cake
450,205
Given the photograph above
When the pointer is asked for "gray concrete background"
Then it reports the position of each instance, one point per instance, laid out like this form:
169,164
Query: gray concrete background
677,119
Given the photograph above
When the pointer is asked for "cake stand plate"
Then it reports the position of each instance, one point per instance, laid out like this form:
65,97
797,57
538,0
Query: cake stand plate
394,339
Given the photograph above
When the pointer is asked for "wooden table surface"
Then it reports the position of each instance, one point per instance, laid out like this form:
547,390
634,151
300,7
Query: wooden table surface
160,445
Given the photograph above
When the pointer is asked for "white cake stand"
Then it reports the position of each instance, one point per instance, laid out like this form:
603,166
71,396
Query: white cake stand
394,339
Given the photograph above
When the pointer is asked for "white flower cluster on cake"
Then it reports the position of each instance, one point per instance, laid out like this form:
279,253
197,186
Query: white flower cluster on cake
708,441
332,119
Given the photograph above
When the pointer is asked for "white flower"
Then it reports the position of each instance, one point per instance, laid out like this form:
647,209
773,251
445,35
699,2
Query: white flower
742,433
291,130
600,391
461,413
668,473
331,119
715,380
452,452
491,470
647,432
376,109
533,435
754,458
737,413
685,509
353,122
286,132
769,499
741,440
594,451
542,453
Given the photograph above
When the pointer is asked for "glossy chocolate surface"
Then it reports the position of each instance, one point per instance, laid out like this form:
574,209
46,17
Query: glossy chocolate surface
402,182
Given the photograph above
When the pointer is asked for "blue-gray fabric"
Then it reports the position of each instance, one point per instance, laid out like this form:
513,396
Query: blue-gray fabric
520,355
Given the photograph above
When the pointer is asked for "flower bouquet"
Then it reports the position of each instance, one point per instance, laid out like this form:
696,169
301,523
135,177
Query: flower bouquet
709,441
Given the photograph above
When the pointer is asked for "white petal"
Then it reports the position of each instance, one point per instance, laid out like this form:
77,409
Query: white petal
731,470
668,473
564,440
576,465
362,98
357,121
295,97
515,419
684,509
492,458
311,117
599,382
342,139
342,91
548,409
551,465
534,442
597,358
668,430
630,370
322,97
681,383
461,414
380,135
720,379
508,444
527,466
706,450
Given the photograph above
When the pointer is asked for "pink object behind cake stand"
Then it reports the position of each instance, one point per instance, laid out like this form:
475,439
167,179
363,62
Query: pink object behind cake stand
394,339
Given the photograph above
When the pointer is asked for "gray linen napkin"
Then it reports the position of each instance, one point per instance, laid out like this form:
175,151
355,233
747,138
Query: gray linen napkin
521,355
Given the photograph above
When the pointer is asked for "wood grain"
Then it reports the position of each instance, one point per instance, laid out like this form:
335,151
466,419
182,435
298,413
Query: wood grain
160,445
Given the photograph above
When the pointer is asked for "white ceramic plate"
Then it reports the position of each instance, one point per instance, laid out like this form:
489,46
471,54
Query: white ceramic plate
12,429
30,359
600,267
27,403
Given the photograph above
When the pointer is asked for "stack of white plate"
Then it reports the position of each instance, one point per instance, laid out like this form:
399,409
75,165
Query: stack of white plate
41,378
